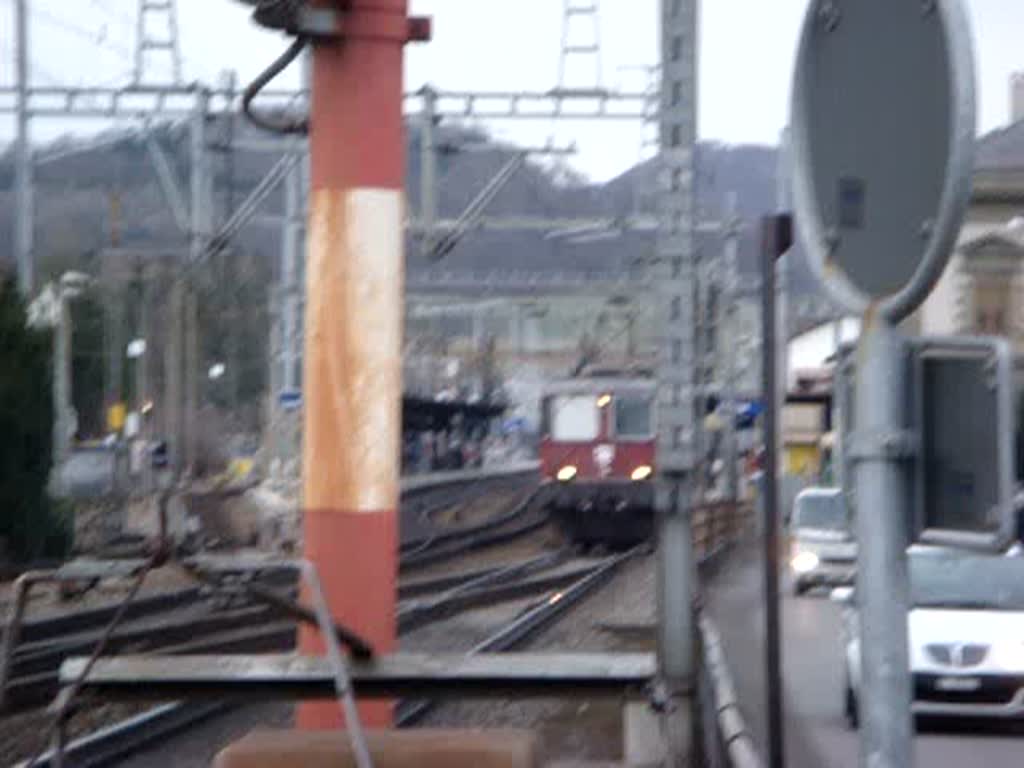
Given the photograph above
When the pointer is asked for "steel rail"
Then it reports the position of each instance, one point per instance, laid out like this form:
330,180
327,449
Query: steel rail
411,550
471,543
521,629
107,745
429,612
424,509
481,577
56,626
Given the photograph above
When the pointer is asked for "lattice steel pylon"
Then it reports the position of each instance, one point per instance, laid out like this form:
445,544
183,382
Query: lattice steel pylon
579,64
581,42
156,34
651,130
673,292
675,271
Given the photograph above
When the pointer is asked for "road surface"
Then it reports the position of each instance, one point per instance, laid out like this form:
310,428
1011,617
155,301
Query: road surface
816,732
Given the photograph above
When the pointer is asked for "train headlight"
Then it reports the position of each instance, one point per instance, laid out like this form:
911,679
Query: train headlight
566,473
804,562
641,473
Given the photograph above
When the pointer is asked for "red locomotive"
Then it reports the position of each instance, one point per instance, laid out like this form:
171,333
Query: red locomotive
597,458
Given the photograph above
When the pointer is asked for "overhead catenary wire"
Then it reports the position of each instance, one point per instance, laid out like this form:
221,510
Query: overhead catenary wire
95,36
120,16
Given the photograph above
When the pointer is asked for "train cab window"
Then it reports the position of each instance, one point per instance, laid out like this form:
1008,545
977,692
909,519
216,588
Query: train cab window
574,418
633,418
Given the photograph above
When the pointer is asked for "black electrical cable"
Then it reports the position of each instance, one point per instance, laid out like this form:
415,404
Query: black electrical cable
276,14
287,126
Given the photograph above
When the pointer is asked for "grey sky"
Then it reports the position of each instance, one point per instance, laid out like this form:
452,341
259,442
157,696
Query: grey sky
746,58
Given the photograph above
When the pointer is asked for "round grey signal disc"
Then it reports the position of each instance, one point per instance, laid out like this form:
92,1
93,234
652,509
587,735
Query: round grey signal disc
883,126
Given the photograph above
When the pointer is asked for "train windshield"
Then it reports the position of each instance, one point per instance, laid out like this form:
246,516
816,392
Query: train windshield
633,417
574,418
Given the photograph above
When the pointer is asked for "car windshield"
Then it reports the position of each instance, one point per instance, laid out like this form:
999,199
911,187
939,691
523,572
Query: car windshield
958,580
822,510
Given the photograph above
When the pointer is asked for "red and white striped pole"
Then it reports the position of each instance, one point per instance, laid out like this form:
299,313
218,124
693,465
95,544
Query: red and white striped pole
354,285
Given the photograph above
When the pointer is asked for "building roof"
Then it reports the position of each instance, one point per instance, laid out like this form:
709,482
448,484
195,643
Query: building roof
1001,149
1008,238
421,414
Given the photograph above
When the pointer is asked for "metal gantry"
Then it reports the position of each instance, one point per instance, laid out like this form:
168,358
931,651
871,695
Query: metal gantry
581,43
154,15
174,101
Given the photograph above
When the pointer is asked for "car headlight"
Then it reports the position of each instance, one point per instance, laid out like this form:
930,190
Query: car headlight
804,562
566,473
641,473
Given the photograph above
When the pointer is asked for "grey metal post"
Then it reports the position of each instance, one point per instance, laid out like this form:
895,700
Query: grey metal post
174,310
142,377
274,370
675,568
200,217
673,277
729,340
881,477
113,337
192,375
428,169
289,273
676,649
23,183
783,204
142,364
296,189
230,267
775,236
61,379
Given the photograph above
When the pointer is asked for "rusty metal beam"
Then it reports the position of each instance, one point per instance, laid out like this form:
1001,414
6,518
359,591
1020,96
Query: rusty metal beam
288,676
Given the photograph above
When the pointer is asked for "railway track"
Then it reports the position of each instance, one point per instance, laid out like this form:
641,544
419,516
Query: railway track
530,623
150,623
257,628
441,597
158,624
420,508
556,597
521,520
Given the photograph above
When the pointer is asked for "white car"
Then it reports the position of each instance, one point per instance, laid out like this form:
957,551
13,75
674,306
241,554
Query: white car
966,634
823,550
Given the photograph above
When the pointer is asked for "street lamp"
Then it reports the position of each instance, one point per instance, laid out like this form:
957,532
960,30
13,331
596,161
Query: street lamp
217,371
136,351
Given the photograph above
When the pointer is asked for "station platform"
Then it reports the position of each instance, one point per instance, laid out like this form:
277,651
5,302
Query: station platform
429,480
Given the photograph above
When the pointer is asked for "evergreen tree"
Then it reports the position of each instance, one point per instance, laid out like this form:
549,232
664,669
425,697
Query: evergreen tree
28,522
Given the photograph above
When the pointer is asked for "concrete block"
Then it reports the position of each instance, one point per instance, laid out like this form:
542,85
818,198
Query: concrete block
644,744
388,749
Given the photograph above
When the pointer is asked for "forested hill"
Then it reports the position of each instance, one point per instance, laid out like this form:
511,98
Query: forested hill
74,192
